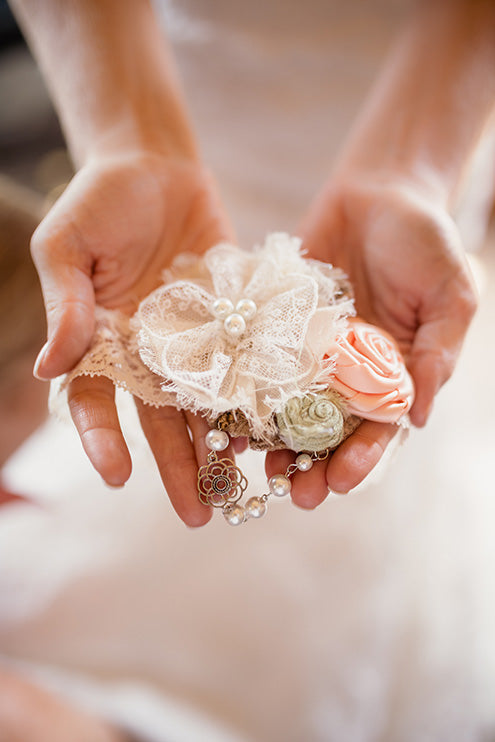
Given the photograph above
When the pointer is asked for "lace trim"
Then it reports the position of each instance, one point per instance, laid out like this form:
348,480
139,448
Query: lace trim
177,351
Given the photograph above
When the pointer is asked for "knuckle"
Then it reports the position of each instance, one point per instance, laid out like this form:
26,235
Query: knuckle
438,364
368,456
439,231
439,361
82,417
444,364
39,236
90,407
54,239
38,243
468,303
45,239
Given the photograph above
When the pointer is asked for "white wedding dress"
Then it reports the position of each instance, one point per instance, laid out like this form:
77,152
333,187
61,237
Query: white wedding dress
369,619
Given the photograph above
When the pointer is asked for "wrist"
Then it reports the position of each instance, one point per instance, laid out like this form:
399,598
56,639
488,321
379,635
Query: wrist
111,75
131,135
427,112
416,179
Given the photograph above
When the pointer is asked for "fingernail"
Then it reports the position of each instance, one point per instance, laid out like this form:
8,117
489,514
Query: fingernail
39,362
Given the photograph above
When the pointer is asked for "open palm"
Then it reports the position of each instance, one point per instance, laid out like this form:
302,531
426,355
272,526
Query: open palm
405,261
106,241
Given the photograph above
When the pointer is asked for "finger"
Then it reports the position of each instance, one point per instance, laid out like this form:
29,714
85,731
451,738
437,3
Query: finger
308,488
92,407
240,444
429,370
434,355
276,462
321,227
167,434
355,458
65,276
7,497
199,427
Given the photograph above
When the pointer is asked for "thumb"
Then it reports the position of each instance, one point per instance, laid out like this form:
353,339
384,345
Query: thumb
321,230
65,277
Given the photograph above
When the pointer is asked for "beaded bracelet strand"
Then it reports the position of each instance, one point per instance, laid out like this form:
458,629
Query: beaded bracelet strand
222,484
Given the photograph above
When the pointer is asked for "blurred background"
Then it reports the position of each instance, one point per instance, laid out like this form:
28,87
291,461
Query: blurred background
32,150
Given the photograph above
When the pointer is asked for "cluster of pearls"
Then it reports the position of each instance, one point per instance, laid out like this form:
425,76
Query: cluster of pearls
234,318
236,515
279,485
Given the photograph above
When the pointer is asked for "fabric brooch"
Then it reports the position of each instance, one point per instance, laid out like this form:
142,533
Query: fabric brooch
264,344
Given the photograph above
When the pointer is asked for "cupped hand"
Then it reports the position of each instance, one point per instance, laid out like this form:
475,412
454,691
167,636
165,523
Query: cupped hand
119,223
403,255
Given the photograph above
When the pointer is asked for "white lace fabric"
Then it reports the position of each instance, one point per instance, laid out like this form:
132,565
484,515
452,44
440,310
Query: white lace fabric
114,354
175,351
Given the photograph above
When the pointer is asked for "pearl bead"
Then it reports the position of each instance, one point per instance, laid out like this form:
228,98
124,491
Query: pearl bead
235,325
217,440
247,308
255,507
279,485
235,515
304,462
222,307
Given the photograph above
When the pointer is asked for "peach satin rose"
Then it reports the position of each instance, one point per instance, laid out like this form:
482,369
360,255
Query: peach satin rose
370,373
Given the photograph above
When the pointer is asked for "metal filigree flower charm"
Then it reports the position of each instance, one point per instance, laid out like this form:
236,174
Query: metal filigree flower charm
220,482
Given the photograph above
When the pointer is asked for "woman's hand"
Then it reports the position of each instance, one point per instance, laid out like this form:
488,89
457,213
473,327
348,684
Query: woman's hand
403,255
117,226
384,216
140,197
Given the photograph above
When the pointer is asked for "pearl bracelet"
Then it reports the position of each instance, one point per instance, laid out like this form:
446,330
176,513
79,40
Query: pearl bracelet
222,484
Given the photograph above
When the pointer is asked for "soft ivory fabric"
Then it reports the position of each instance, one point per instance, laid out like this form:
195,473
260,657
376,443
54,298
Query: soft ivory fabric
299,308
369,619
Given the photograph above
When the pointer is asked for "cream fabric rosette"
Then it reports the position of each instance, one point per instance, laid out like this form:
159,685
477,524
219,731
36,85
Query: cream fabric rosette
206,369
313,422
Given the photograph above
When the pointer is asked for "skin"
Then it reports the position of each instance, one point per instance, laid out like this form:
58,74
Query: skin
142,195
384,215
87,248
385,236
29,712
